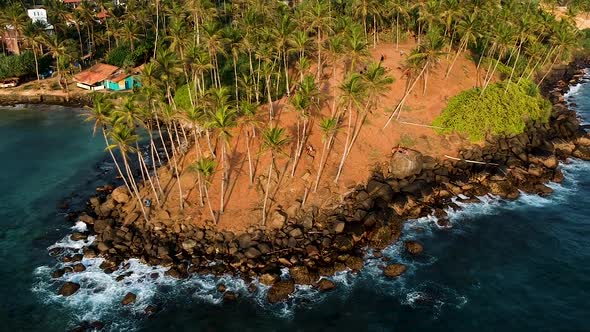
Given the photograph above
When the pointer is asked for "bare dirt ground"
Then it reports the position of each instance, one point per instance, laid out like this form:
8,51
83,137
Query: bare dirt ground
244,201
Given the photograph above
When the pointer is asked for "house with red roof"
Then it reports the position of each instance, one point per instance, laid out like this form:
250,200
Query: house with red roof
103,76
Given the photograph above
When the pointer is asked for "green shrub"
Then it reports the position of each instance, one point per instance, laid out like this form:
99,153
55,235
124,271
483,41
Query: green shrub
585,39
118,55
122,56
496,112
17,65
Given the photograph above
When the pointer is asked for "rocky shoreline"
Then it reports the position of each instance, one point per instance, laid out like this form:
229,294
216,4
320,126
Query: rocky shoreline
312,243
16,98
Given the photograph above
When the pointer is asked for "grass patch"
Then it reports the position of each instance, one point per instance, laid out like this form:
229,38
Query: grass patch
407,141
499,111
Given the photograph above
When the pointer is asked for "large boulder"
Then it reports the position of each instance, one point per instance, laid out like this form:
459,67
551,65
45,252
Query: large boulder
301,275
325,285
278,220
394,270
405,163
381,190
69,288
120,195
280,291
413,247
129,298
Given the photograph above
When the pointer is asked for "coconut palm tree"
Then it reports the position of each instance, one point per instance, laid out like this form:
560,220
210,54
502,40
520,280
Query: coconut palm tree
100,115
205,168
223,120
273,142
352,96
329,127
123,139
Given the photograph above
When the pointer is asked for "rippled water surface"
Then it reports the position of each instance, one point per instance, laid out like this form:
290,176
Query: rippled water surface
503,266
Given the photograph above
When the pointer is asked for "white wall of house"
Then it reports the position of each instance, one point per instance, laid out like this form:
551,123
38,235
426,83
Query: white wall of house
38,15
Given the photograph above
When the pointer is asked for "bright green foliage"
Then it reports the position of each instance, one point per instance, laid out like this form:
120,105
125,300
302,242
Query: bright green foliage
585,39
17,65
122,56
496,112
182,99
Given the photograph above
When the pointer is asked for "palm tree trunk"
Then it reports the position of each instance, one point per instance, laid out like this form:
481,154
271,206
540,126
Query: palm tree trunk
250,168
325,153
346,143
266,192
147,172
198,155
106,140
176,170
398,108
133,185
223,178
36,63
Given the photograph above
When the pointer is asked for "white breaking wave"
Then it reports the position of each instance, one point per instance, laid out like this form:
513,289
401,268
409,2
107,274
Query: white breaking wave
80,226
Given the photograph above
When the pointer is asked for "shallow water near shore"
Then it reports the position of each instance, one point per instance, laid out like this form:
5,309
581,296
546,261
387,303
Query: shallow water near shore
522,265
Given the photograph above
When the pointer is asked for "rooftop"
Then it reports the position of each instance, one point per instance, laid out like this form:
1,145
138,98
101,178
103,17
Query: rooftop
96,73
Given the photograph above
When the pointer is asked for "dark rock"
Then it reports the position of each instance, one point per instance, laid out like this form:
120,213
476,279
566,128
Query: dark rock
76,236
413,247
58,273
303,276
325,285
296,233
252,253
79,267
150,310
394,270
129,299
221,288
269,279
68,288
229,297
280,291
381,190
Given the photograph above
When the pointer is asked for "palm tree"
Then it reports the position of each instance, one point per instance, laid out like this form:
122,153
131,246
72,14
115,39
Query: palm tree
273,141
248,110
33,36
124,138
223,120
205,167
402,11
352,95
100,115
59,51
14,17
329,127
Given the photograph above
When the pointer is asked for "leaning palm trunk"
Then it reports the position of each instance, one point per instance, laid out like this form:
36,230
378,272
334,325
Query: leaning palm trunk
325,153
398,108
177,172
144,167
223,178
301,139
266,192
106,140
198,155
346,144
250,168
134,186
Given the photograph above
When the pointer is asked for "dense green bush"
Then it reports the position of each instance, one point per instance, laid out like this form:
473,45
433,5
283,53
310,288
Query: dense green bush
17,65
122,56
585,39
495,112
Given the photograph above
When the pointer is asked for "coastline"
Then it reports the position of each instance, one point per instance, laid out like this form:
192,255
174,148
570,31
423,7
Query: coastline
319,243
10,98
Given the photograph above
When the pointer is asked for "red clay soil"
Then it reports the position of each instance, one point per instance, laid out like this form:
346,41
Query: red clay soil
243,206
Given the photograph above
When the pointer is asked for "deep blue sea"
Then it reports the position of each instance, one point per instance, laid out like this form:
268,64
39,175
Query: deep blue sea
503,266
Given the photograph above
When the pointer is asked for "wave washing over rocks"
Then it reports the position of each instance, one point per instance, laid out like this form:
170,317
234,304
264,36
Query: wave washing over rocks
115,272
